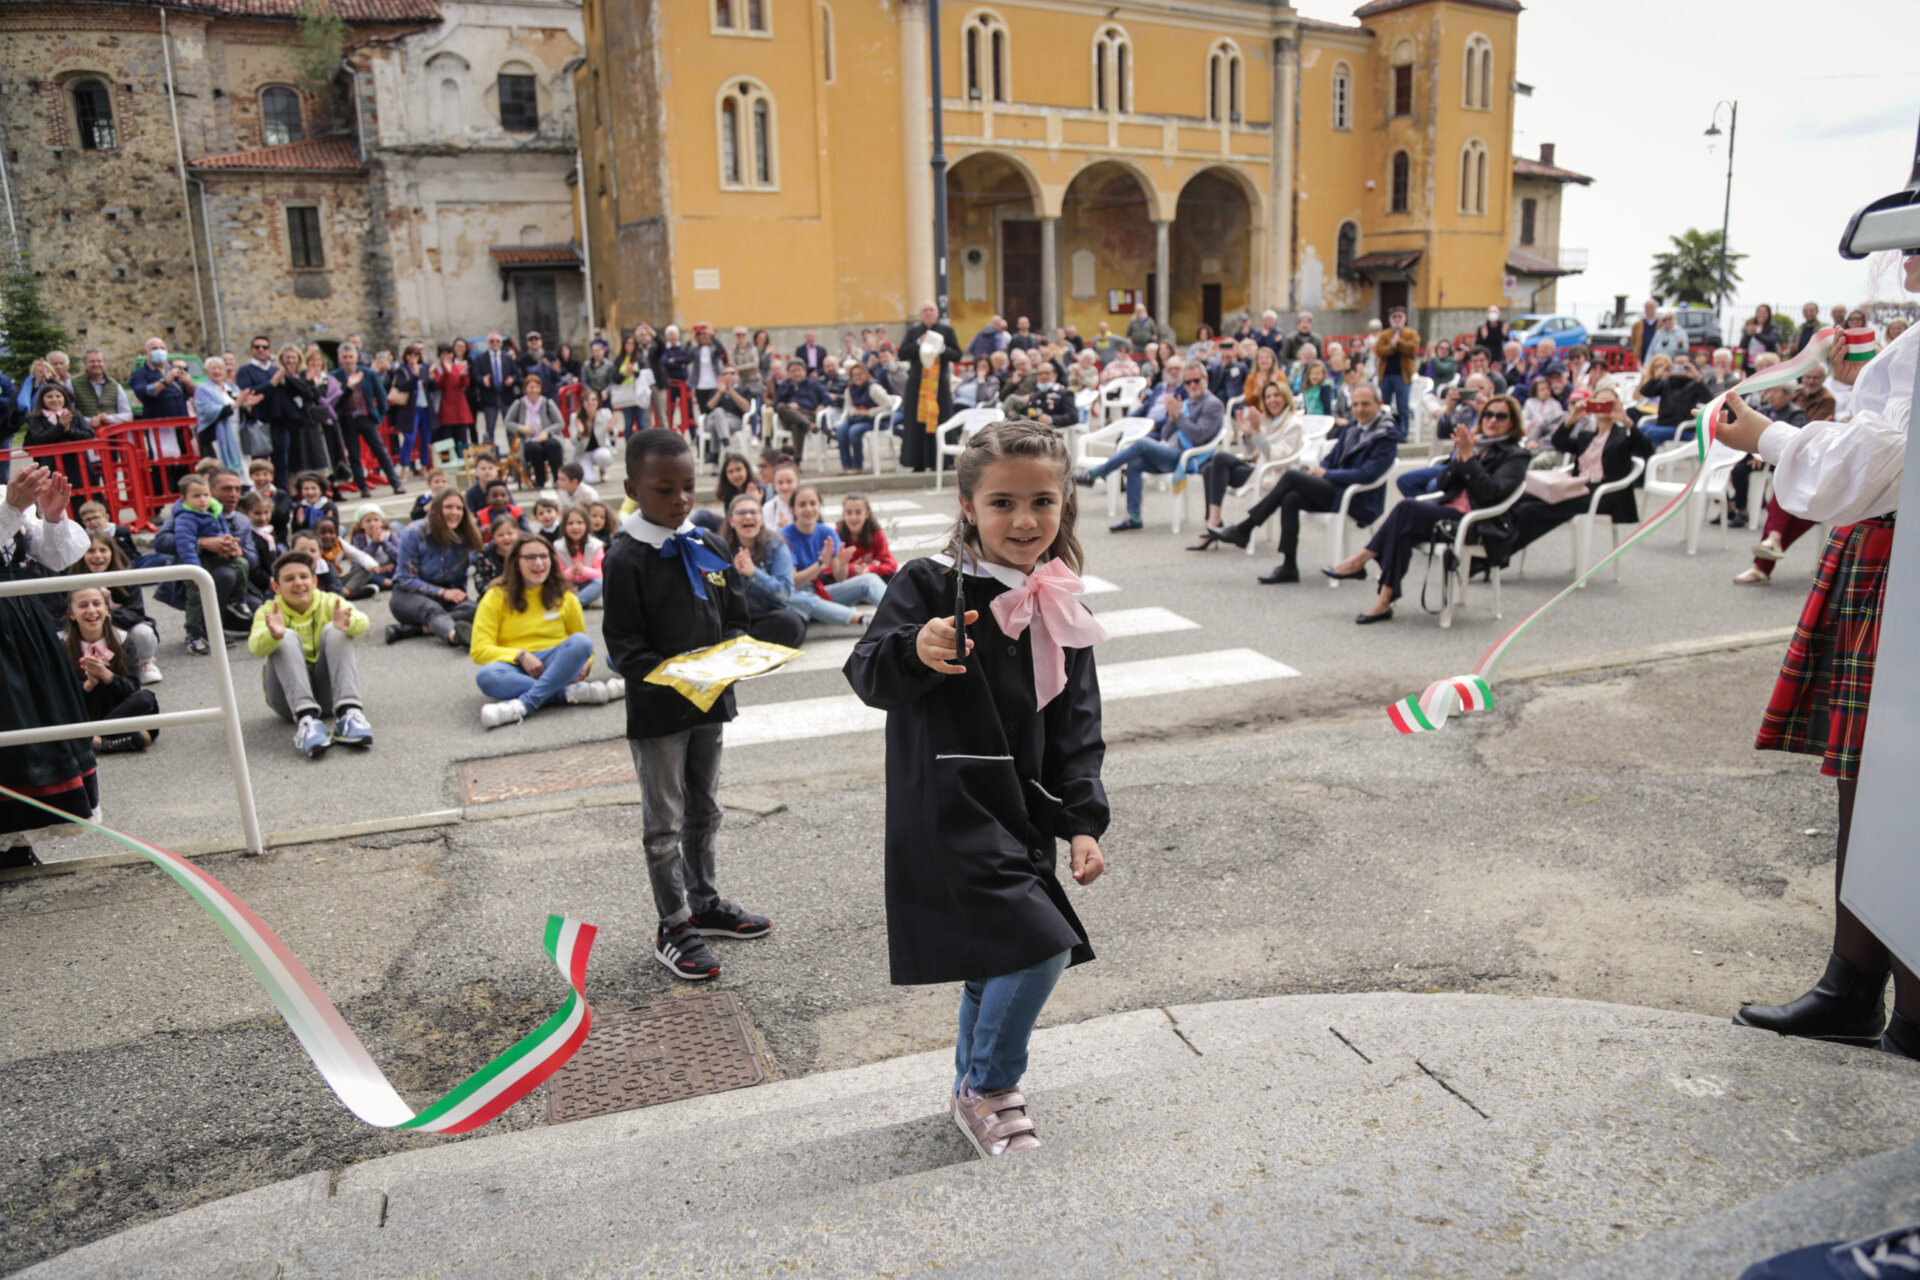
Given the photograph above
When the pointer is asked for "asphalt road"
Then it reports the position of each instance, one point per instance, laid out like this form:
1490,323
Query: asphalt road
425,708
1609,836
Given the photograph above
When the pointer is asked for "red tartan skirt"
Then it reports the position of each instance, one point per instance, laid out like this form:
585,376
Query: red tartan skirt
1819,703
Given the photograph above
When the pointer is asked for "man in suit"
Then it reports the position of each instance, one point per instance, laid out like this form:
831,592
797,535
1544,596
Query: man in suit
811,354
361,405
920,418
496,380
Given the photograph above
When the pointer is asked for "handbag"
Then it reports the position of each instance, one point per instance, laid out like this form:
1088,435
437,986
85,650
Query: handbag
625,395
255,440
1555,486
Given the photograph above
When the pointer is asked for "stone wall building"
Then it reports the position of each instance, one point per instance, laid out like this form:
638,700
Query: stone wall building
249,201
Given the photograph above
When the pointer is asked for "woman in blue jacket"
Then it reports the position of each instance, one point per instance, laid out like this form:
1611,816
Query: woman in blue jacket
766,573
1364,452
430,582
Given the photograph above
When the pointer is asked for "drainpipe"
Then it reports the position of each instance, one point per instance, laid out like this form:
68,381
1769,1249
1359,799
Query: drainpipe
213,271
6,193
586,240
180,160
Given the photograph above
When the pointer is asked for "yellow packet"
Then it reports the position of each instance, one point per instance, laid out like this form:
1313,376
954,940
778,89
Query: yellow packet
703,675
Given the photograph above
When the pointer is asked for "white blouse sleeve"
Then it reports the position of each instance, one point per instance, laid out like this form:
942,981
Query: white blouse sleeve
1833,473
57,546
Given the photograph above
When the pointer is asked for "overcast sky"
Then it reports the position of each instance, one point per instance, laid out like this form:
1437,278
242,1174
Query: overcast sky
1829,102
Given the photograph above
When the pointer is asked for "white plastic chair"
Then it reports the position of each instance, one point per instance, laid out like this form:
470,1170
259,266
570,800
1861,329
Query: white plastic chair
1710,494
1119,398
1340,519
1583,524
950,441
1180,480
1463,565
825,419
1422,407
1097,447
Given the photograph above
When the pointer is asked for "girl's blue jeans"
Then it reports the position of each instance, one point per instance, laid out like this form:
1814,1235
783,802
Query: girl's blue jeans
996,1022
590,591
503,680
866,588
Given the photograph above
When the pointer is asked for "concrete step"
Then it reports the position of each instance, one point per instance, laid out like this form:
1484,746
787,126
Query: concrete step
1464,1129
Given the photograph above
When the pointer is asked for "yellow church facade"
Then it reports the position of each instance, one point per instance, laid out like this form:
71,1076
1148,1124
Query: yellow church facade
767,162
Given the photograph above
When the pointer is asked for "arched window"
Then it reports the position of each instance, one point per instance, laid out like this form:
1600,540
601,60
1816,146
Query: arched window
1399,179
1403,78
449,74
1112,70
93,113
280,115
826,43
1529,214
985,47
1346,251
1473,177
1225,97
749,146
519,99
1476,91
1342,96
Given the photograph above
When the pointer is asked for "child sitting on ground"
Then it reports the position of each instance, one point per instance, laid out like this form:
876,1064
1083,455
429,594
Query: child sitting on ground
670,590
531,643
992,758
280,504
500,506
580,556
127,606
546,518
195,519
95,519
600,521
347,564
485,472
817,557
863,541
777,510
100,654
490,562
371,535
266,545
315,677
438,482
311,504
573,486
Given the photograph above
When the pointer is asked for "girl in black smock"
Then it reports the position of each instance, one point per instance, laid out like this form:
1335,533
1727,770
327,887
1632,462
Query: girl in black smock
982,779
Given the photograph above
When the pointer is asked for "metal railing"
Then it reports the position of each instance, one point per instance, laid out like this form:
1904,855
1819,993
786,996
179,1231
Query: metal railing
227,713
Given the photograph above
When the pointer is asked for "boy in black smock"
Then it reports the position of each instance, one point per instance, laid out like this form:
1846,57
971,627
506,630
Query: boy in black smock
989,763
671,588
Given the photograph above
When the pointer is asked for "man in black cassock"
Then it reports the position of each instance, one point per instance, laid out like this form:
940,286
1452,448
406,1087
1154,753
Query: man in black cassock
917,441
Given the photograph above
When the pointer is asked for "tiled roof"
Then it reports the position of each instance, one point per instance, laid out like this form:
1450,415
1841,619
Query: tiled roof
535,255
1522,263
1373,7
313,155
1525,168
349,10
1389,260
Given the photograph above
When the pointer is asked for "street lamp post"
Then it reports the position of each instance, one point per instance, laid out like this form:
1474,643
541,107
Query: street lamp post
939,162
1726,211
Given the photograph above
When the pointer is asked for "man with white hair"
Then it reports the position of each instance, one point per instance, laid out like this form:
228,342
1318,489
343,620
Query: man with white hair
495,377
1140,331
1642,332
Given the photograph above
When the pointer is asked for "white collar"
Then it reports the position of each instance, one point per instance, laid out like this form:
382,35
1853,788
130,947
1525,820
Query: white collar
258,363
641,529
974,567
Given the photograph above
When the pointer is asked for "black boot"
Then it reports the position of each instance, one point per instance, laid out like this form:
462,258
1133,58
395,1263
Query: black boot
1847,1005
1902,1037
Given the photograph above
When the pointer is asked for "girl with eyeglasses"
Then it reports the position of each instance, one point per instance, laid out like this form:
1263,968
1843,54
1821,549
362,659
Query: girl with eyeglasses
530,641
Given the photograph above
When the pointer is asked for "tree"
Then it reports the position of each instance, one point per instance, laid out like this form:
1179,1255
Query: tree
26,326
323,41
1690,271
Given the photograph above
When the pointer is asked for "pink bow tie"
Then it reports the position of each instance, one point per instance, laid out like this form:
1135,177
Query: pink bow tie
1046,602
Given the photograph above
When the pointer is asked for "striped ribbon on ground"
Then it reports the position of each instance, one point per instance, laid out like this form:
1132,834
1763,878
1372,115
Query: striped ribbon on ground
1472,692
343,1062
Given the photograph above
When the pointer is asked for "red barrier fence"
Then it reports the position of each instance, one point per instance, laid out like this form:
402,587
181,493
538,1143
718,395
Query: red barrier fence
155,452
101,470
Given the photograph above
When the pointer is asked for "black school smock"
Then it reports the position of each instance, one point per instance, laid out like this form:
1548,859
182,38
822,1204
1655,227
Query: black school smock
652,614
979,785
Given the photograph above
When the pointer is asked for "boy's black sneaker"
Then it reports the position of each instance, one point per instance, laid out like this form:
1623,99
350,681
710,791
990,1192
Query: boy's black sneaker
726,920
684,953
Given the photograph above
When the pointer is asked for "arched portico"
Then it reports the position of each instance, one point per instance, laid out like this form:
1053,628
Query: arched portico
995,242
1215,250
1109,250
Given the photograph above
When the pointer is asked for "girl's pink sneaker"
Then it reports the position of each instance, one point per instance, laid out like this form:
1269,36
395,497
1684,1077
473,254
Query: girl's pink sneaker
995,1123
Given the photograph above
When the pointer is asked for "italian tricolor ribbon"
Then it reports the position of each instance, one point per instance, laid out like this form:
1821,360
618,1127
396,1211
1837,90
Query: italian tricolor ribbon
343,1062
1473,691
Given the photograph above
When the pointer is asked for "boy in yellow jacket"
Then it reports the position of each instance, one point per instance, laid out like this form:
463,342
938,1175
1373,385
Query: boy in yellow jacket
313,679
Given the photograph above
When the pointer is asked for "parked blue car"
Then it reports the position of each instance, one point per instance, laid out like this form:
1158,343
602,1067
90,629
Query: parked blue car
1564,330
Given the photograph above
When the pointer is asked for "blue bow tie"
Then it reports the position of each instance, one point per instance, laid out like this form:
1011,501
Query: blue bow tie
690,550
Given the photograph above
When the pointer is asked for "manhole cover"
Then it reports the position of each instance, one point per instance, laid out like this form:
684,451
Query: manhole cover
540,773
656,1053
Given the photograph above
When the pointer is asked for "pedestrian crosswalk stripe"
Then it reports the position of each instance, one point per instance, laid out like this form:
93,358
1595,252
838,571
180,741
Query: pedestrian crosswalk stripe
1097,586
918,541
810,718
831,655
928,521
878,508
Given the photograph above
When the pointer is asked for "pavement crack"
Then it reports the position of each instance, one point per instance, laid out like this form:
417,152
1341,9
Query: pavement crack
1437,1079
1183,1035
383,1205
1351,1045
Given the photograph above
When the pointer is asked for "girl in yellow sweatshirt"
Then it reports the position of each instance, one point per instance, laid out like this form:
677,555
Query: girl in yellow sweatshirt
530,641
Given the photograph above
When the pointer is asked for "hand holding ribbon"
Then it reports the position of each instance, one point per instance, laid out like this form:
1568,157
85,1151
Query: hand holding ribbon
1046,603
690,548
